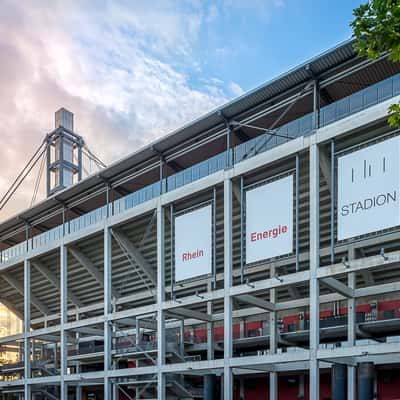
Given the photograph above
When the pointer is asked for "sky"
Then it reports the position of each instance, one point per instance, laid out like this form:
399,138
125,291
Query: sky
133,70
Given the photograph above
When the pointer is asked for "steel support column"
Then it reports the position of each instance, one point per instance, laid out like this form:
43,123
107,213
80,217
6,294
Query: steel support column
351,330
241,231
333,191
27,325
273,376
108,393
297,227
161,389
314,265
172,243
214,252
78,388
315,104
209,379
63,321
228,347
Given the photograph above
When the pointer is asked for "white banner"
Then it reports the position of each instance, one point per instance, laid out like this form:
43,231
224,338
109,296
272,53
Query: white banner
368,189
269,220
193,244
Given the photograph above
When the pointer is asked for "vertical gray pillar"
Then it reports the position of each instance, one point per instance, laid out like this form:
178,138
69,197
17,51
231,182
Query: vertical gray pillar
182,337
365,385
80,162
137,343
108,394
61,161
63,320
316,104
228,348
161,392
314,265
209,380
78,387
27,326
351,330
273,376
161,173
48,161
339,384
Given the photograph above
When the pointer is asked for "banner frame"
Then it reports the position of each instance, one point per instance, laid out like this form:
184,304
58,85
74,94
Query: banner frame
343,152
202,277
295,205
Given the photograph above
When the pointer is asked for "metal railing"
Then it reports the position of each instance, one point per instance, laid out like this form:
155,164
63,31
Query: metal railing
303,126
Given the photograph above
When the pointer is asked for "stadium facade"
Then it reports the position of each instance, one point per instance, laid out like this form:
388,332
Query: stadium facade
253,253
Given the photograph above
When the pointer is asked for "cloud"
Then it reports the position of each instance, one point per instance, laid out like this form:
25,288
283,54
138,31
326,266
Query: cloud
121,67
253,4
235,89
128,70
258,8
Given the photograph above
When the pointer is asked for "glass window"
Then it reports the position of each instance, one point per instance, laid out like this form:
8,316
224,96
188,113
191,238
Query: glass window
356,102
370,96
385,89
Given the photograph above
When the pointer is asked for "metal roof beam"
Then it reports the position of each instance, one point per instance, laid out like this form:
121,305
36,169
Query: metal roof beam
236,191
144,323
90,267
40,227
74,209
255,301
325,166
10,242
50,276
19,287
136,255
120,190
186,313
48,395
338,287
242,136
49,338
175,166
325,96
86,330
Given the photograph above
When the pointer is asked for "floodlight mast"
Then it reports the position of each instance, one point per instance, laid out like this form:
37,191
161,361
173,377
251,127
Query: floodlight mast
64,153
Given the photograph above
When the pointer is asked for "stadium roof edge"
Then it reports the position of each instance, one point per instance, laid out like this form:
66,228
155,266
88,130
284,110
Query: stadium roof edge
283,82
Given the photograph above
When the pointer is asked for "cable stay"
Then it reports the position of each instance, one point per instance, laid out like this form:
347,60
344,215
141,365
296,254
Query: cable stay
39,178
276,122
23,174
272,132
93,157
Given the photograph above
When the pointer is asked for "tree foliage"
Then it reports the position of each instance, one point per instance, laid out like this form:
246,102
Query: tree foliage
376,26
